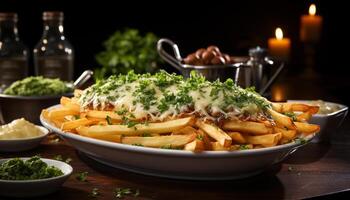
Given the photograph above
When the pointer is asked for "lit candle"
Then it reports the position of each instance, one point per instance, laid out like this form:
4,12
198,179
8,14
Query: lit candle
311,25
279,47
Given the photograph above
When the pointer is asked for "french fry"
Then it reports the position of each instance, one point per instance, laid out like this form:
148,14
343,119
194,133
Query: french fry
264,140
237,137
185,131
138,129
168,141
189,133
215,132
61,113
195,146
307,128
216,146
281,119
286,134
110,138
293,107
68,103
103,114
304,117
255,128
76,123
205,138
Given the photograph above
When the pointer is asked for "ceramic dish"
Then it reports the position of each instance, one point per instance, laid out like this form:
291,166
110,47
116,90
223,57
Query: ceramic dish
33,188
13,107
329,123
207,165
16,145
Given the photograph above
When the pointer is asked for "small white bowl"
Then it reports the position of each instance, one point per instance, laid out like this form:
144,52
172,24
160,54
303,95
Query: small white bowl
34,188
23,144
329,123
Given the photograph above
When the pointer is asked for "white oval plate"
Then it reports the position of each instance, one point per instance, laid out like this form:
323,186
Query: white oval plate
208,165
39,187
23,144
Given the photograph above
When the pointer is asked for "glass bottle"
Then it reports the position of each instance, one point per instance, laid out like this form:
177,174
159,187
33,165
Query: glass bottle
13,53
53,55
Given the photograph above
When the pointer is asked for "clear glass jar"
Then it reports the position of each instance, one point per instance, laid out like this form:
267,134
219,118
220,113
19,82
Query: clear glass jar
54,55
13,53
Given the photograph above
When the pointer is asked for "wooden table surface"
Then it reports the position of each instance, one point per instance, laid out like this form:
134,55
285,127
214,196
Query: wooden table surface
315,170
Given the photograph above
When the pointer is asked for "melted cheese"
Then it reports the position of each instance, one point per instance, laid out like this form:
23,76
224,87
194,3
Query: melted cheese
125,97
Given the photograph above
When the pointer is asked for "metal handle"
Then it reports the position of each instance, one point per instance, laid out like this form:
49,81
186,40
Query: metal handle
174,61
85,76
274,76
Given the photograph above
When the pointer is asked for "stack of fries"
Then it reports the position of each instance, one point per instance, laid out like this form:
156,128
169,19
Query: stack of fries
187,132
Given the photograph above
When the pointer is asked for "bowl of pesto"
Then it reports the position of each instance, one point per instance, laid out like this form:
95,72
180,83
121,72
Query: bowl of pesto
31,177
27,97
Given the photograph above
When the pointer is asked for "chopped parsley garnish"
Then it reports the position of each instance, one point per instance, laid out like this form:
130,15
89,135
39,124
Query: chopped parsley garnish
292,115
109,120
300,141
128,122
60,158
31,169
244,147
122,192
122,111
162,92
94,193
199,137
82,176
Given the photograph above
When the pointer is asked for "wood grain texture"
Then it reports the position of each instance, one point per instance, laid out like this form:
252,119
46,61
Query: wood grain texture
314,170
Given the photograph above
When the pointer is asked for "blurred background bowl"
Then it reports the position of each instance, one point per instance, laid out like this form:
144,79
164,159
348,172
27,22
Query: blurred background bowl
329,123
29,107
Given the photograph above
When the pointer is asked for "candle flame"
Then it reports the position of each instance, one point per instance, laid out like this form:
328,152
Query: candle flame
279,33
312,10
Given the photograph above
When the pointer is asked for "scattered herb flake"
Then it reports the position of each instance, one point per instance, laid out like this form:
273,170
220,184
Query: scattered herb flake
82,176
94,193
109,120
243,147
122,192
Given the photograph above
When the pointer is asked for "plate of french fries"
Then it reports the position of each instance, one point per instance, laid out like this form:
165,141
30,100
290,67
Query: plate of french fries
118,127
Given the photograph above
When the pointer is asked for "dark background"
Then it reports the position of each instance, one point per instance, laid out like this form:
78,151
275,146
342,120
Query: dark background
234,26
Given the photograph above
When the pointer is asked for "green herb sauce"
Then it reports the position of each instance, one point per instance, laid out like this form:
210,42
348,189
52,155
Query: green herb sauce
37,86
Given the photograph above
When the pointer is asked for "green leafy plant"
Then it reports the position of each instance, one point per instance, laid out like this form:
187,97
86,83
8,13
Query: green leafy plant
128,50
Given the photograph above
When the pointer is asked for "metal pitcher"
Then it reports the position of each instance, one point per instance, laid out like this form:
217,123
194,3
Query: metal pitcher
245,74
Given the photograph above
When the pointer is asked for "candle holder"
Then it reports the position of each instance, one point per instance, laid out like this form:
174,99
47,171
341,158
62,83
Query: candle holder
310,34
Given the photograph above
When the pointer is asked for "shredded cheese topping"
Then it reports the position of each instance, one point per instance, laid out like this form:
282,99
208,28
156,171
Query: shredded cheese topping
166,95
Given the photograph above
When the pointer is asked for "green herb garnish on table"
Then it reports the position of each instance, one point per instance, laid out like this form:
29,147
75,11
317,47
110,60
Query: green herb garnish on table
82,176
95,193
122,192
31,169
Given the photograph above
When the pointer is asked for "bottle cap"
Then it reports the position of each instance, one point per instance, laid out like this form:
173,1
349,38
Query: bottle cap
8,16
53,15
257,52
